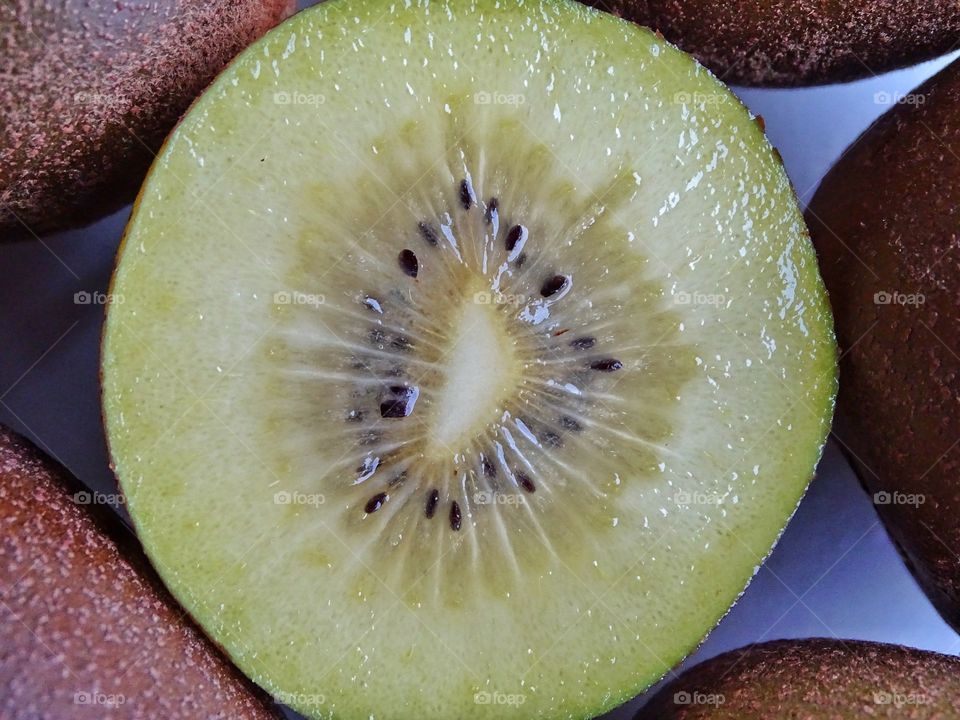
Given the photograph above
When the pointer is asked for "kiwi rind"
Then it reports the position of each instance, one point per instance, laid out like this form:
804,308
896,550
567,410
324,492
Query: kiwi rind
799,42
89,91
816,679
884,224
75,584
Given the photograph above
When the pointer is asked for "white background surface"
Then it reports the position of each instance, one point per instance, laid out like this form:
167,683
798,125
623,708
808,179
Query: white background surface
834,573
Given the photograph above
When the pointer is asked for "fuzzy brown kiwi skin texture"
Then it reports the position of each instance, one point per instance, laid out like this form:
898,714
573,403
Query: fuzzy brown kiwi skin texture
814,679
886,219
83,612
89,90
784,43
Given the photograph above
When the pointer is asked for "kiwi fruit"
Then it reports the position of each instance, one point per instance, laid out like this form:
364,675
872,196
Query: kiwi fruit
505,364
814,679
884,221
86,629
88,91
800,42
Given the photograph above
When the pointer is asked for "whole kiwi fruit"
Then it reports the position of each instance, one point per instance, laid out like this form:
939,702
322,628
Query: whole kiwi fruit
800,42
886,223
89,90
86,628
813,679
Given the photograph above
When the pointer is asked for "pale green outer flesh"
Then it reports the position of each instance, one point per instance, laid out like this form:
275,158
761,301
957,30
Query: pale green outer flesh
187,397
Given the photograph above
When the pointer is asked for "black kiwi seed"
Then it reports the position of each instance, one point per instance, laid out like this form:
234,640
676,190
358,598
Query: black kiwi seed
521,259
570,424
583,343
491,210
455,515
375,503
466,197
433,498
553,285
398,401
513,237
607,365
408,262
428,233
488,468
525,482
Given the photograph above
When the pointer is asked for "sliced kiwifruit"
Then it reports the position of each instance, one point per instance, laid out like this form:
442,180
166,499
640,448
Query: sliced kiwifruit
86,628
800,42
88,91
814,679
486,372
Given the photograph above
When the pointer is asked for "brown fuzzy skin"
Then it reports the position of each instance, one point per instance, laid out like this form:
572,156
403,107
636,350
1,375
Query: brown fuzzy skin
84,621
816,679
89,90
799,42
886,219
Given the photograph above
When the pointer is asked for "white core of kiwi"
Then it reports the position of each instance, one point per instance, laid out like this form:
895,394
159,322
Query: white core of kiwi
464,348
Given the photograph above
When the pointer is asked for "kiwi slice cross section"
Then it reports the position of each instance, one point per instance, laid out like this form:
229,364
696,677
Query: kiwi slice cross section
465,366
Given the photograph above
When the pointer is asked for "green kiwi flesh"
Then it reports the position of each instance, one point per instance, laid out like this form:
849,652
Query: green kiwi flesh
462,361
